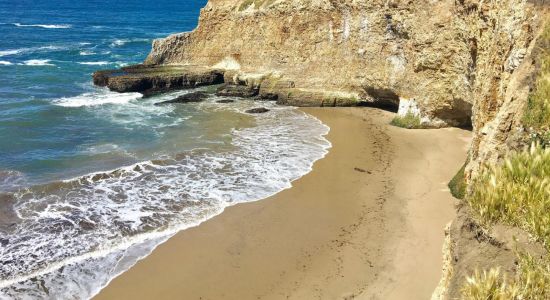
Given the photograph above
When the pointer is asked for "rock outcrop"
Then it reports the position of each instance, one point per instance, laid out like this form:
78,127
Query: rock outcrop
337,53
232,90
502,41
187,98
154,79
259,110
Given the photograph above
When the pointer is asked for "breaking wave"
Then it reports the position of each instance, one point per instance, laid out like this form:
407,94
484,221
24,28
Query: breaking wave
94,63
99,225
10,179
47,26
37,62
122,42
9,52
86,53
32,50
97,98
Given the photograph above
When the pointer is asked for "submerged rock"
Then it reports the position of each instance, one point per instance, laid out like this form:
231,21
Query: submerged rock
225,101
230,90
259,110
187,98
153,79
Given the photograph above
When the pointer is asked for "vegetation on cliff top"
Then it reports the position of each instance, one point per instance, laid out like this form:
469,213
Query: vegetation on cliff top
516,193
531,282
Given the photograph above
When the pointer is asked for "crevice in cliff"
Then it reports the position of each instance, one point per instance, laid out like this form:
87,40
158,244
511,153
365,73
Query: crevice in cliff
382,98
473,60
380,105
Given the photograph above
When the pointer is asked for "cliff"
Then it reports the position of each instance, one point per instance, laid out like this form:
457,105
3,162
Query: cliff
337,53
448,62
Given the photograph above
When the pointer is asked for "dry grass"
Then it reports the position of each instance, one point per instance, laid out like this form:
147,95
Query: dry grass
486,285
532,282
517,193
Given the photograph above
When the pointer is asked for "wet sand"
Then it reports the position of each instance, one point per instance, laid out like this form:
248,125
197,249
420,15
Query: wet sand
367,222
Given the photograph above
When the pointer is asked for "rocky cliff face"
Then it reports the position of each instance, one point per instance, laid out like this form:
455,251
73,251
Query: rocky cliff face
444,61
502,40
415,52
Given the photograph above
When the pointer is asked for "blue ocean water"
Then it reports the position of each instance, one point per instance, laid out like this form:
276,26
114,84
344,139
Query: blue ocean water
47,52
91,181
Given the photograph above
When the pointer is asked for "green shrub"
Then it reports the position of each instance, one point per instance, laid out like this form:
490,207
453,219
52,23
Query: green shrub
409,121
517,193
537,114
458,184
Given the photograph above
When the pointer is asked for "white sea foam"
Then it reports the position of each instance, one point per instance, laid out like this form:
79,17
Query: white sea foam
97,226
95,63
101,149
10,179
47,26
122,42
37,62
86,53
5,63
32,50
121,64
9,52
118,42
97,98
142,113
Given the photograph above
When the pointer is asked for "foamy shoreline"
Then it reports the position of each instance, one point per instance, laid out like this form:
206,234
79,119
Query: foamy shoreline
73,266
336,232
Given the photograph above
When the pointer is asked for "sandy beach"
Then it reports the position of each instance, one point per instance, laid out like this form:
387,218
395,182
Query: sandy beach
367,223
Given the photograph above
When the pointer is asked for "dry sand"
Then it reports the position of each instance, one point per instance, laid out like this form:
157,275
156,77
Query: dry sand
367,222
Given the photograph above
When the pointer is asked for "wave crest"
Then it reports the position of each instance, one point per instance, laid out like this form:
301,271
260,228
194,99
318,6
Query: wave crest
92,99
94,63
37,62
46,26
98,225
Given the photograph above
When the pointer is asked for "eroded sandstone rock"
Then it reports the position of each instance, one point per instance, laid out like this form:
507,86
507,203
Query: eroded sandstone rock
152,79
259,110
380,52
187,98
231,90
